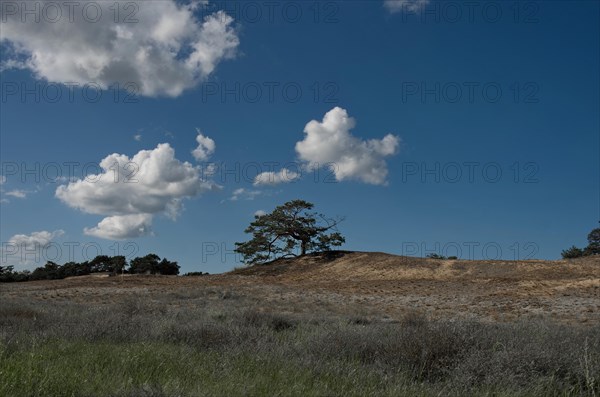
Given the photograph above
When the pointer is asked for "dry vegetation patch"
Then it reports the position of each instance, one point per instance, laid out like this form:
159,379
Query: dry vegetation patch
349,324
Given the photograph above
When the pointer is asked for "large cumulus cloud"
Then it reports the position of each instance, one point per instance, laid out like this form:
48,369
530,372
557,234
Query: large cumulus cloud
164,50
129,192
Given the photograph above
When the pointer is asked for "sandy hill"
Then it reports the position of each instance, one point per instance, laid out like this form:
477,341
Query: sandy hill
566,290
375,285
344,266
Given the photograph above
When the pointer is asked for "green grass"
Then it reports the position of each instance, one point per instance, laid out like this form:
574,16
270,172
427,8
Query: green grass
62,368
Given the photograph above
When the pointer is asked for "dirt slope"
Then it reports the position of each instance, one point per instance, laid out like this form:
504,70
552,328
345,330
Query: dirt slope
496,290
355,266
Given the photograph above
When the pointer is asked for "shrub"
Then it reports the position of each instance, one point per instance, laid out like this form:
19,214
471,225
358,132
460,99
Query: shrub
435,256
276,322
593,247
572,252
195,274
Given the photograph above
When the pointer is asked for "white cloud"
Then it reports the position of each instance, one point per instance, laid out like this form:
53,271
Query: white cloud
206,147
167,51
130,191
394,6
17,193
330,143
24,249
260,213
122,227
244,194
275,178
137,137
35,240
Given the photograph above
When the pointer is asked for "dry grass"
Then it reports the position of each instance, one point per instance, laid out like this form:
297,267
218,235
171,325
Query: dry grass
307,328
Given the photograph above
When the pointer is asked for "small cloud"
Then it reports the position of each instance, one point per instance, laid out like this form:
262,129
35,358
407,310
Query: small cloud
4,201
122,227
260,213
35,240
275,178
137,137
28,248
206,147
244,194
395,6
17,194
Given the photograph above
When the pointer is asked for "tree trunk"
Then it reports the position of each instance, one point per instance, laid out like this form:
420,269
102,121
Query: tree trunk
303,247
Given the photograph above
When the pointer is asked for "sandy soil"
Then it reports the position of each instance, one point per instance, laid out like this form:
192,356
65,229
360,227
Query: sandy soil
368,284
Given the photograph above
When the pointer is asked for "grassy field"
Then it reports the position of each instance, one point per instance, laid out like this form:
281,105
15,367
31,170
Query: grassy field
235,335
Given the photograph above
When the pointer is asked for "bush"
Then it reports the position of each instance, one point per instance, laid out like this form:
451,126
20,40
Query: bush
196,274
435,256
258,319
593,247
572,252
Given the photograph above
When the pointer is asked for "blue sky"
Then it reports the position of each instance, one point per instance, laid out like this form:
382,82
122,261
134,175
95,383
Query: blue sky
475,134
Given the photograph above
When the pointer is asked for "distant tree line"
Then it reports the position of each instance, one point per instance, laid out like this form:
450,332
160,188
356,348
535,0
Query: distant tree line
113,265
593,247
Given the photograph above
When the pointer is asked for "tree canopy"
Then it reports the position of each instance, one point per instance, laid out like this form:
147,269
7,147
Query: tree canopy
593,247
289,228
152,263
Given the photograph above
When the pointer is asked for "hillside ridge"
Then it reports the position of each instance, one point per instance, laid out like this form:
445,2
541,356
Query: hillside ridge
346,265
